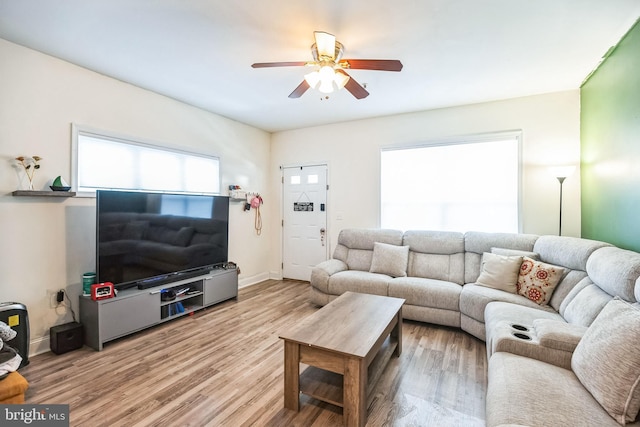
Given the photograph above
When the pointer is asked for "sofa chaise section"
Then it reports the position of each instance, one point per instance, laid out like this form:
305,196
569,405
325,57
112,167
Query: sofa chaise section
554,335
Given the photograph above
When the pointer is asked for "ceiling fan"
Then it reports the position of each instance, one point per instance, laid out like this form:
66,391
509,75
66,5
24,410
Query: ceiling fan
330,69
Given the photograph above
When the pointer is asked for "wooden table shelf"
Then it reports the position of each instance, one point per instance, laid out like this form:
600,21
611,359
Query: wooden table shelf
327,386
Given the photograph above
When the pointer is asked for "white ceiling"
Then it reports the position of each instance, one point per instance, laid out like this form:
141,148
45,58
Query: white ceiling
200,52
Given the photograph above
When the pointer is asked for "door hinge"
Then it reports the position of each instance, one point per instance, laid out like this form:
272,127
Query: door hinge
327,187
282,179
283,222
282,265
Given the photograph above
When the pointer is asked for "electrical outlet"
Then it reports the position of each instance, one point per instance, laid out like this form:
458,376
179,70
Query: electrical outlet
60,296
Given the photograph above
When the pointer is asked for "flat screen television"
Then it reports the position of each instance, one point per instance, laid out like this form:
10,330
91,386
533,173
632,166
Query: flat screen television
146,239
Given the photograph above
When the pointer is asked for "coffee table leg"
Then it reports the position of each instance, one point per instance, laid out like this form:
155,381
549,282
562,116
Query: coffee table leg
291,375
355,393
396,333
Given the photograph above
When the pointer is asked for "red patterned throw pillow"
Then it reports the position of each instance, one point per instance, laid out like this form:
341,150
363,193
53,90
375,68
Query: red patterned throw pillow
537,280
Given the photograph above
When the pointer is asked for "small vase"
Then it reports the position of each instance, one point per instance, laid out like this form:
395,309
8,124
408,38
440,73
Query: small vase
30,188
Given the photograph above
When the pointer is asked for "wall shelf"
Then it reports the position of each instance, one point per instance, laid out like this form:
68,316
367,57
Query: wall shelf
34,193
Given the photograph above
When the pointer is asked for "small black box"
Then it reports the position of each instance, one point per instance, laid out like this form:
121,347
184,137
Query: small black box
67,337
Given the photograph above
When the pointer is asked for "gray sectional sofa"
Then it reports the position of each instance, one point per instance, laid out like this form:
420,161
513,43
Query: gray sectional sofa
558,351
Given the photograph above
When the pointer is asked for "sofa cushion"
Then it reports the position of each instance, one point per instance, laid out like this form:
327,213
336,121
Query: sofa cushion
434,242
537,280
474,299
449,268
558,334
476,243
435,255
565,287
365,238
585,306
359,281
616,271
389,259
359,259
606,360
499,272
569,252
426,292
527,392
514,252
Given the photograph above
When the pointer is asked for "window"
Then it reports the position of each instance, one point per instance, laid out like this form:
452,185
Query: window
470,184
103,161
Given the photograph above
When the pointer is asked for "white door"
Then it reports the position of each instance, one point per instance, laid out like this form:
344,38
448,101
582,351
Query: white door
304,222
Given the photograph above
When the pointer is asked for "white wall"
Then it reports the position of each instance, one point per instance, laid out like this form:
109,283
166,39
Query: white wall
48,243
551,136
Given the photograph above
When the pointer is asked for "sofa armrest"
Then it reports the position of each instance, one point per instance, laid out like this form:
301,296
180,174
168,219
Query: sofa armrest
321,273
557,334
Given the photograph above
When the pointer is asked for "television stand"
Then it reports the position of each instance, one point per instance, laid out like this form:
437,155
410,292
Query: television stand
136,309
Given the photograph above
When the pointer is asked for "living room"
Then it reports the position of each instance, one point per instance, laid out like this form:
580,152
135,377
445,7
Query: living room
50,244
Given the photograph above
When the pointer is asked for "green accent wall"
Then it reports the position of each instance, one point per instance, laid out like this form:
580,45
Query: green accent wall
610,147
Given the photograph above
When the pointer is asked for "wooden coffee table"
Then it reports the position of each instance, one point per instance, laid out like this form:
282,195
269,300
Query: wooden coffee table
347,344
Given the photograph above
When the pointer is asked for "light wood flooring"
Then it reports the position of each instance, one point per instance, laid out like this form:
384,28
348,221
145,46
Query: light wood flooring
223,366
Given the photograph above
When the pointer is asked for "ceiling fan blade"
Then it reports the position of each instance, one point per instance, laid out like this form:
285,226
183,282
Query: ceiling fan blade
302,88
326,44
354,87
278,64
372,64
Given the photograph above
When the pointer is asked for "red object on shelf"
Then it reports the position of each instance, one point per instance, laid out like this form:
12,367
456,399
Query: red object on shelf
102,291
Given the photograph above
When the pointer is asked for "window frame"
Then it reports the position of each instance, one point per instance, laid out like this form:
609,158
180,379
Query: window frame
77,130
458,140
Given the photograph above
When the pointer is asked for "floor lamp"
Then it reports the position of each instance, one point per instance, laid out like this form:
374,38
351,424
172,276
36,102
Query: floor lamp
561,173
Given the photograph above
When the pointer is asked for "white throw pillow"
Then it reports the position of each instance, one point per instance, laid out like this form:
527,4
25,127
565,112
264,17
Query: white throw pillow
389,259
606,360
499,272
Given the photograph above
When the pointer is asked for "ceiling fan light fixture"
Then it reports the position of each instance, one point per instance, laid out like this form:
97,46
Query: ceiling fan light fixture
326,80
325,87
340,80
326,44
330,74
313,78
322,79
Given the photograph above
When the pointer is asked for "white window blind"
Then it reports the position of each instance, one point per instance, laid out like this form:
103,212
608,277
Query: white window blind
107,162
454,186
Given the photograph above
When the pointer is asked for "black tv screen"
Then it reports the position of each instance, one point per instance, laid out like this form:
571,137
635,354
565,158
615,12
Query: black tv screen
144,239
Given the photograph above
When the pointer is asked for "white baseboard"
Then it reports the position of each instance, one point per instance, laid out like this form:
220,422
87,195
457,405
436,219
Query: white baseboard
275,275
39,346
252,280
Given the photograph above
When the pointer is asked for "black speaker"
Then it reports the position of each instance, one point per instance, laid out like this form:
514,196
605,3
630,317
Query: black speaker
67,337
15,315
